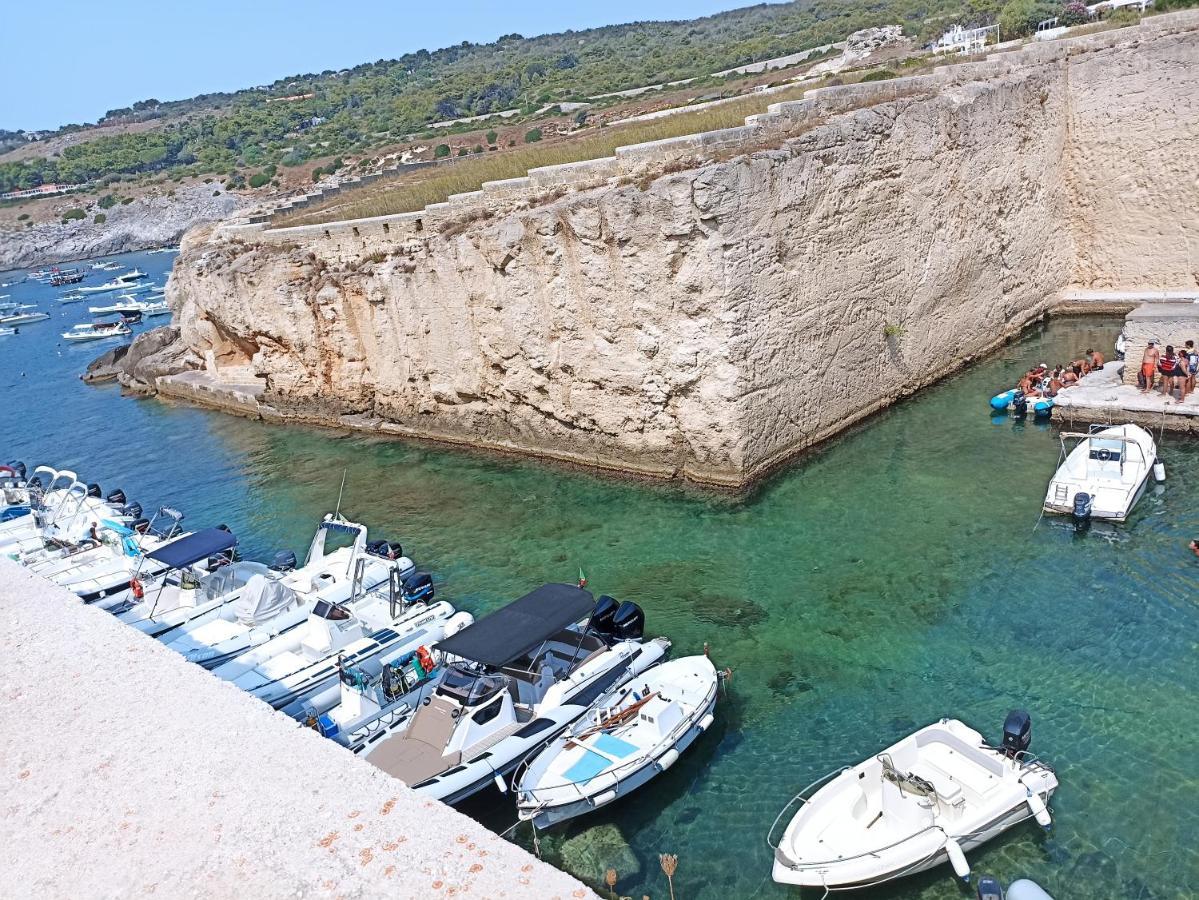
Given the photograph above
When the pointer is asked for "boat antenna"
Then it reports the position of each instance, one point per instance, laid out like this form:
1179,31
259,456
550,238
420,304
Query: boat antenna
339,493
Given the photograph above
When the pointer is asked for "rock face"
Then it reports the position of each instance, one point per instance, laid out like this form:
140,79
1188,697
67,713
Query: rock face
142,224
711,322
137,366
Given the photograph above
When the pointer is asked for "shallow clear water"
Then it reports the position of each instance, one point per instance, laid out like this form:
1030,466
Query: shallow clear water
896,576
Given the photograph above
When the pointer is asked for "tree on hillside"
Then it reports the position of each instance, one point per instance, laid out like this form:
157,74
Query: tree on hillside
1021,17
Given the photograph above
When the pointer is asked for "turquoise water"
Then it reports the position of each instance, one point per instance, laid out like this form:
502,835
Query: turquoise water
896,576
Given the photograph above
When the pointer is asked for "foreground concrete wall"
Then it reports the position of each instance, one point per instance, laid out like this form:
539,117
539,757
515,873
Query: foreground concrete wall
709,305
130,772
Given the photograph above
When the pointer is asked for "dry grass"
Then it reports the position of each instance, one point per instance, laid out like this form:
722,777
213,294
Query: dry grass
416,190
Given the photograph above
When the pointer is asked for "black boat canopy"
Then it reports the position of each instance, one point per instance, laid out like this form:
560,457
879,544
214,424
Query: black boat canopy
194,547
509,633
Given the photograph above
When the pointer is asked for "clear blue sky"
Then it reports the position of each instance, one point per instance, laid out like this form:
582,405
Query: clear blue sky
72,60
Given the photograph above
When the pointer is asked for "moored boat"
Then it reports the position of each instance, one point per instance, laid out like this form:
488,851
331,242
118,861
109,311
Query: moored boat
97,332
923,801
627,738
1104,474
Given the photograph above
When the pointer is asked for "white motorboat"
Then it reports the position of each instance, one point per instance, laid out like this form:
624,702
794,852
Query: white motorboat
525,672
23,315
107,266
628,736
14,492
130,304
101,332
7,332
56,520
72,297
269,608
1104,474
44,491
164,250
126,282
921,802
304,662
189,571
134,558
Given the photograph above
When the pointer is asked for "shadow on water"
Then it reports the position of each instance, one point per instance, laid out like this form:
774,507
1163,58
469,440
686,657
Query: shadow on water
888,579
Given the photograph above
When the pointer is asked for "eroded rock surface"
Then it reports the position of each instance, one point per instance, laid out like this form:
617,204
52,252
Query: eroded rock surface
711,322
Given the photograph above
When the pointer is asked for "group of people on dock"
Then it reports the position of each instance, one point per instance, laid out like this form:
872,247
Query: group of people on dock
1177,369
1045,382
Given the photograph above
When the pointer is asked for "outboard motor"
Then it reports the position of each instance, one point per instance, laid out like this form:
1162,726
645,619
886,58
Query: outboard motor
602,615
628,624
35,482
284,561
93,490
19,468
1019,405
116,498
989,888
375,548
131,510
417,586
141,526
1017,733
1083,502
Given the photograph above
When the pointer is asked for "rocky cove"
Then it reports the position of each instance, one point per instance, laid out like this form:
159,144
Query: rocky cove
707,308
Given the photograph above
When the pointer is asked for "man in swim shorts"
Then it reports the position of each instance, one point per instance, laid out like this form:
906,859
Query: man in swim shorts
1149,366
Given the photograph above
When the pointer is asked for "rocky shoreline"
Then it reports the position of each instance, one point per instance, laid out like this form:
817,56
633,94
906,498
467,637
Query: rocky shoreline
144,224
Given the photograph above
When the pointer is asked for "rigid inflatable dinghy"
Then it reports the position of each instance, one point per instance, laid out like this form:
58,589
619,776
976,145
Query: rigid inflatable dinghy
1021,405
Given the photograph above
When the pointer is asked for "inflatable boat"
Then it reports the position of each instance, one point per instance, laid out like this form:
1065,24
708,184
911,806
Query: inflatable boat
1018,403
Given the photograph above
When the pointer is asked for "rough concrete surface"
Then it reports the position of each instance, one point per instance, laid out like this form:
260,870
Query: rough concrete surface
711,322
130,772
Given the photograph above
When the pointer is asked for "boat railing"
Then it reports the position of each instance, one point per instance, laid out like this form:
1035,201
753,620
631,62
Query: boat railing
803,798
672,737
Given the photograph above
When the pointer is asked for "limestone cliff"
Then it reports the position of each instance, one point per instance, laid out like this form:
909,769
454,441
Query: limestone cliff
712,321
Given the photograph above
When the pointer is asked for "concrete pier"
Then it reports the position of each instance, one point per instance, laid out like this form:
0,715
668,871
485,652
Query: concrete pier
129,772
1102,398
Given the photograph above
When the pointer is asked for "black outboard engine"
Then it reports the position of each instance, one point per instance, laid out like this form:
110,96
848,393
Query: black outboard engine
116,498
1019,405
284,561
417,586
989,888
376,548
36,482
93,490
1082,508
385,549
628,624
141,526
602,615
19,468
1017,733
131,510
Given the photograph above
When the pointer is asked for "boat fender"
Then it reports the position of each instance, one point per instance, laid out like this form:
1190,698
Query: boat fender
668,759
1023,889
500,784
706,722
957,859
605,797
135,587
1039,810
1159,471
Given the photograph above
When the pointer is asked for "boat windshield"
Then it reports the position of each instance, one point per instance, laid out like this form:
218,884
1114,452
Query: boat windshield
470,688
1106,450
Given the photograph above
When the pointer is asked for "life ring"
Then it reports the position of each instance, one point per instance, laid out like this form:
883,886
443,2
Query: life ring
136,588
425,658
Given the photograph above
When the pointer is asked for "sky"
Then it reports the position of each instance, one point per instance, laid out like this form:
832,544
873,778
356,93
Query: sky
70,61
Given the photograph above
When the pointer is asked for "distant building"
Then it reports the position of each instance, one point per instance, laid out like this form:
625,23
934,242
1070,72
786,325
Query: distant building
290,99
965,41
42,190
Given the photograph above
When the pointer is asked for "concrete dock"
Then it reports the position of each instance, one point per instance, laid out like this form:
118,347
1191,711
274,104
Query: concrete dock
1103,398
129,772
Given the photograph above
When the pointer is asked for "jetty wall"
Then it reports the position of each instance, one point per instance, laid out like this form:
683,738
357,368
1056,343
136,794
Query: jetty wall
707,306
131,772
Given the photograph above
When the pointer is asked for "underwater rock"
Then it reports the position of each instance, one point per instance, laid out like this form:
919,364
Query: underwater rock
590,854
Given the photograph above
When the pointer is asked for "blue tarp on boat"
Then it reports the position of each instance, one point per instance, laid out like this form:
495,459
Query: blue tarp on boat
194,547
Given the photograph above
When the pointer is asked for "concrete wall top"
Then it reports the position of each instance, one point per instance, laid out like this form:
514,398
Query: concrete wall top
131,772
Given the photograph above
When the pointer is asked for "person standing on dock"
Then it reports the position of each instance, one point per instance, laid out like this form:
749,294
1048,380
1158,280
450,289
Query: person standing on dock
1149,366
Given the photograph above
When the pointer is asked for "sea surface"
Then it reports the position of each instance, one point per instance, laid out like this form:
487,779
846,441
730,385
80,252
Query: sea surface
899,574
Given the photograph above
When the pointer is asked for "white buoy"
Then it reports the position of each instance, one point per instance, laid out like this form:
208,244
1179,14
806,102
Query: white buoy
1039,810
957,859
1159,470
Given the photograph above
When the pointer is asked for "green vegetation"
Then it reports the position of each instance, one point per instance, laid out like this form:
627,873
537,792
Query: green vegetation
260,180
1020,17
125,201
73,213
22,217
99,219
415,190
462,151
492,137
108,201
441,151
878,75
533,136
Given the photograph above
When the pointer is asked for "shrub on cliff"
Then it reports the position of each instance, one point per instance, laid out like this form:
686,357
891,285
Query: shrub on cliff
1020,17
100,219
259,180
108,201
533,136
1074,14
317,174
75,213
462,151
879,75
491,137
441,151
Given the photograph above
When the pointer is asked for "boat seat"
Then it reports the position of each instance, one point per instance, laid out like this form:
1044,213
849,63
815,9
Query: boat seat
947,789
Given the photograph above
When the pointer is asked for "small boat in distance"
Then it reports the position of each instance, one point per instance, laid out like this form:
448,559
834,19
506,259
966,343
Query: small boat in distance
107,266
22,315
5,332
164,250
99,332
1105,473
72,297
126,282
921,802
